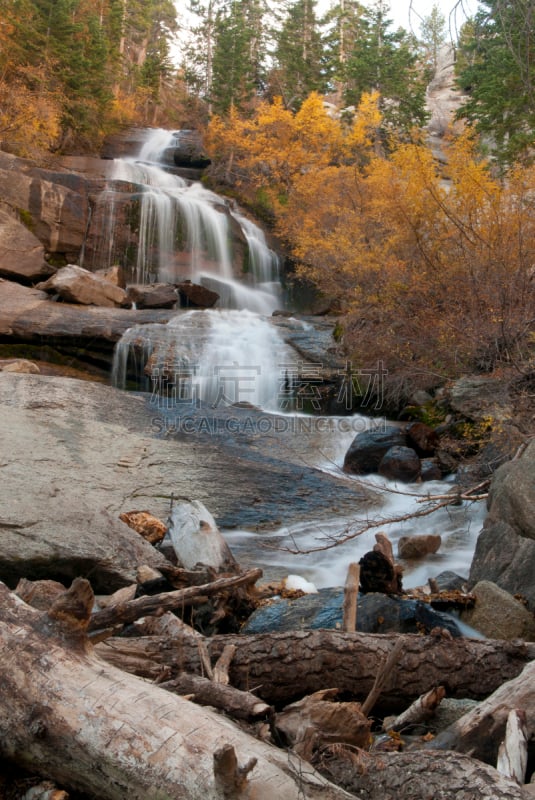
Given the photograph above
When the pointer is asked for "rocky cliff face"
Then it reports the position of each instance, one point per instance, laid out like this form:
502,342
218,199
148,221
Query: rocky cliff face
505,551
51,206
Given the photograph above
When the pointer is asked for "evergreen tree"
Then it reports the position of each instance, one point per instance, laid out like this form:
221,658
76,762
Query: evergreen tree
386,61
237,70
299,61
496,68
198,60
432,38
344,25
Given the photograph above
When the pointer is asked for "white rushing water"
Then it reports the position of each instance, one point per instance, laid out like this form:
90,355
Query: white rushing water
234,354
458,526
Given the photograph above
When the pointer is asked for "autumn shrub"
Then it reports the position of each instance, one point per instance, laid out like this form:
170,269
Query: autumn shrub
437,278
434,269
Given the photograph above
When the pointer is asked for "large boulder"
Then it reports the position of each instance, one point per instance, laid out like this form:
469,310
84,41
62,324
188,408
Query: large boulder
498,615
377,613
193,295
477,397
400,464
368,448
157,295
22,256
77,285
76,455
505,549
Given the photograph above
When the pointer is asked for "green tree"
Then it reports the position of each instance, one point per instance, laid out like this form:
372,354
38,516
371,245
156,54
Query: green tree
237,70
344,25
386,61
432,38
299,59
198,53
496,58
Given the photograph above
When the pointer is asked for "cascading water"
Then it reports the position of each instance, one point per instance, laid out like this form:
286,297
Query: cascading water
185,232
235,355
179,230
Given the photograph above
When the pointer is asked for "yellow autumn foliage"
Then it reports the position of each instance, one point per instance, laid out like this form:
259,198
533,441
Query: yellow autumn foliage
270,150
30,115
432,264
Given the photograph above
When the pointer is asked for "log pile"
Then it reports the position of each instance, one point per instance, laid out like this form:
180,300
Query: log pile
121,696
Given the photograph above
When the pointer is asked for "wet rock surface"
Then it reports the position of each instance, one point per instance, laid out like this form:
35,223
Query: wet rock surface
74,284
377,613
75,455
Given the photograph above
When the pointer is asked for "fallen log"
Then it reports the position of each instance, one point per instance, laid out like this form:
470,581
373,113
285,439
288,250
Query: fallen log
92,728
417,775
480,732
282,667
237,704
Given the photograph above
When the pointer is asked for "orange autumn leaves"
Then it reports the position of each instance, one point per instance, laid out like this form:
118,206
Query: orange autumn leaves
434,265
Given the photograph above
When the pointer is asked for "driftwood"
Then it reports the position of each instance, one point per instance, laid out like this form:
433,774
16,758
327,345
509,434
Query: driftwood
281,667
513,751
205,692
421,710
156,604
480,732
93,728
416,775
317,720
351,591
196,538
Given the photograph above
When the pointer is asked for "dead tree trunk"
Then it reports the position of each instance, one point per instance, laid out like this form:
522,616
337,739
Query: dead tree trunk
416,775
481,731
282,667
89,726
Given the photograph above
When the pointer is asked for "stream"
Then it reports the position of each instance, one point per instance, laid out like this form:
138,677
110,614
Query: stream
231,374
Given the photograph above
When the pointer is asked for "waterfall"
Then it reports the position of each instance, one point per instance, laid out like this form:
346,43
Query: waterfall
230,355
162,227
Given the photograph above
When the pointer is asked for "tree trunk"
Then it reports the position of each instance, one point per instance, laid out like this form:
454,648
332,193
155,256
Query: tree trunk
419,775
282,667
481,731
90,727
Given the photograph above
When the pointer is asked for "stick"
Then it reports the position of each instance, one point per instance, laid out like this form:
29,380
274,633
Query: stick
351,590
234,702
134,609
381,678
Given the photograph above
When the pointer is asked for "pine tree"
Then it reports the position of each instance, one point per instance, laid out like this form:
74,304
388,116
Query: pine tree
198,53
432,38
237,57
344,25
496,68
299,60
386,61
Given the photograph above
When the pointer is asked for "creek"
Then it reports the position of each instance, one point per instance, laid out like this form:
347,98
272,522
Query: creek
231,373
